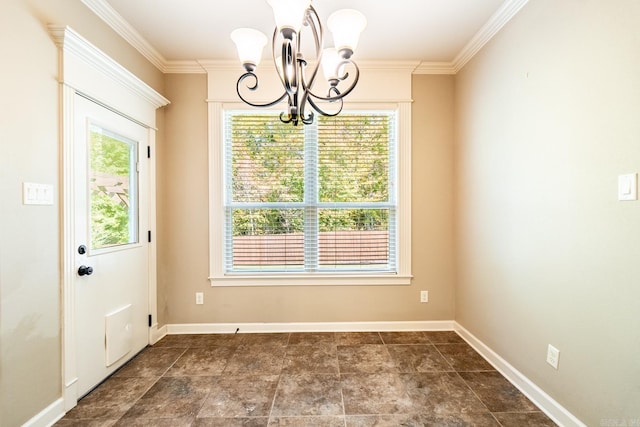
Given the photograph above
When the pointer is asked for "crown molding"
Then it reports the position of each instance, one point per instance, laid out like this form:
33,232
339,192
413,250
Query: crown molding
498,20
435,68
410,66
184,67
203,65
220,65
113,19
234,65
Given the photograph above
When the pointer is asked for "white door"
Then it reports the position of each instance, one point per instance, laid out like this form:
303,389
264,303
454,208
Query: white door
112,250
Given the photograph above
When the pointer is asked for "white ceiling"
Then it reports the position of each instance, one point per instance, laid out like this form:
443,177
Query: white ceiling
425,31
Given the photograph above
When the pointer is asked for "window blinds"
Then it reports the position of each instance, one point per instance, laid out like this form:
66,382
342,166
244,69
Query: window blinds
318,198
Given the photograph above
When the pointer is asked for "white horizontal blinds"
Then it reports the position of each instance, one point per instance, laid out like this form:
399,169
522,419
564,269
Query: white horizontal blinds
310,198
265,194
356,216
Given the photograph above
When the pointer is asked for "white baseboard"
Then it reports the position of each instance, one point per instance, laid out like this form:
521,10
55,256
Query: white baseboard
48,416
230,328
157,333
546,403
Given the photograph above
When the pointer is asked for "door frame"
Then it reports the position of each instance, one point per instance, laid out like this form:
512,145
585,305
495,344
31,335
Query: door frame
85,70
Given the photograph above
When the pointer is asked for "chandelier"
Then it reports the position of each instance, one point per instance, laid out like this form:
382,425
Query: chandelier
296,74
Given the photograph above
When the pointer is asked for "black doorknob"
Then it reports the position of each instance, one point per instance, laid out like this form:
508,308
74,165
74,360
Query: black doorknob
84,270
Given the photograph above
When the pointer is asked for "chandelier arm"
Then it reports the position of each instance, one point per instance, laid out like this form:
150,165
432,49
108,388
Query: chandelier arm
254,87
308,120
289,66
324,113
279,71
301,109
313,21
289,118
292,113
340,95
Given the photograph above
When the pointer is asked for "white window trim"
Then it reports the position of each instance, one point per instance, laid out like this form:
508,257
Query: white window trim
218,276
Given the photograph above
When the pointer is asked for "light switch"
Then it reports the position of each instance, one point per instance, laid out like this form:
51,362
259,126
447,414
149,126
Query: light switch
37,194
628,187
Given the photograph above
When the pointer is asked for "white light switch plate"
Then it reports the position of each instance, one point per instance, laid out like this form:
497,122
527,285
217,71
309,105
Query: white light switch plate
37,194
628,187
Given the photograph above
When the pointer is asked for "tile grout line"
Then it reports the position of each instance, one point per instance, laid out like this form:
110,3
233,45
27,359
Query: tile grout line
445,359
215,380
275,393
159,377
344,408
465,382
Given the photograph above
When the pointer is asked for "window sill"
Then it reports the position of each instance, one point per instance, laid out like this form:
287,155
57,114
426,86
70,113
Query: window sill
311,280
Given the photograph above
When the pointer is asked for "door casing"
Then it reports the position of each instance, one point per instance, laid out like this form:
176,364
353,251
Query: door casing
85,70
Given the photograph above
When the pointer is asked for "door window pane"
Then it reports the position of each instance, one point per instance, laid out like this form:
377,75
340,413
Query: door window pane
113,183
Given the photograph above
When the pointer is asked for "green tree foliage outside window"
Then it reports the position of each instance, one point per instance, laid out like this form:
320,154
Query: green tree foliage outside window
112,161
268,166
353,154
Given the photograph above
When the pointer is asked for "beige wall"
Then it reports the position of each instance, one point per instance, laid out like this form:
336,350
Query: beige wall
182,195
183,227
547,117
29,313
30,343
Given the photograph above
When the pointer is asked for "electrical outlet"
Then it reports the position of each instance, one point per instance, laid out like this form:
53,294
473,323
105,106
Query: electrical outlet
424,296
553,356
199,298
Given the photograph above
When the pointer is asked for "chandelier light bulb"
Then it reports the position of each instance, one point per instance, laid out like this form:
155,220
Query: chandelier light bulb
289,14
250,44
330,65
346,26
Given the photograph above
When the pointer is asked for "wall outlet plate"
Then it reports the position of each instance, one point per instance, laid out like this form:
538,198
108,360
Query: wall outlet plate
553,356
424,296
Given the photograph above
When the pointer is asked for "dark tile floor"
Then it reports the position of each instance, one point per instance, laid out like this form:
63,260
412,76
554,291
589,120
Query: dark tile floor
308,379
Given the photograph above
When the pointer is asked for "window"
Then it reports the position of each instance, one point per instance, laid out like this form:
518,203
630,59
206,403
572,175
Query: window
114,189
314,204
318,198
